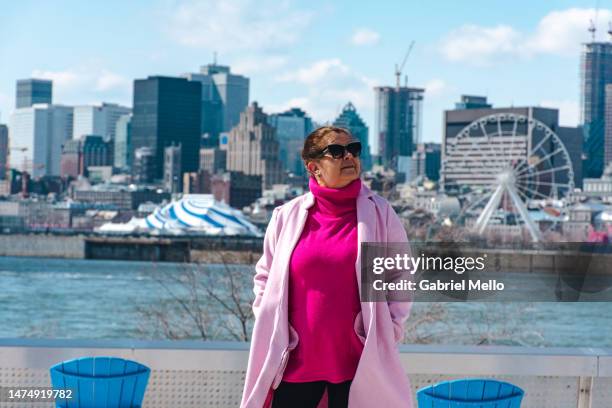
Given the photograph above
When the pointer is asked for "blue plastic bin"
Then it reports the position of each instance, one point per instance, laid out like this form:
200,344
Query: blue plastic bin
470,393
100,382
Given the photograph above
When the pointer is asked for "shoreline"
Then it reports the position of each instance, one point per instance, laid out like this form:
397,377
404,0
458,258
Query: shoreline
247,250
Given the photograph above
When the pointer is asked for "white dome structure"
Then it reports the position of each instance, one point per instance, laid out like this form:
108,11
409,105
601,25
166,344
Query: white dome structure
192,214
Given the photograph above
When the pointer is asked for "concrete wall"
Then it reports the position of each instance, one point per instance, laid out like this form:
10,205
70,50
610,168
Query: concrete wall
42,245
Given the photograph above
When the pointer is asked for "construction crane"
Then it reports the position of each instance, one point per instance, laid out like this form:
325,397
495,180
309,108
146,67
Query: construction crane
400,68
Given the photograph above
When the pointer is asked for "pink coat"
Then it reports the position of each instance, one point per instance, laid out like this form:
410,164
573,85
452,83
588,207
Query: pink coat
380,380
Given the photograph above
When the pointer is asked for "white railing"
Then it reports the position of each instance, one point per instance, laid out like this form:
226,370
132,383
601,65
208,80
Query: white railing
210,374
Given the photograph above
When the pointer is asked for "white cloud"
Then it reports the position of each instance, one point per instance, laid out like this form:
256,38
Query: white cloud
258,64
62,79
365,36
231,25
329,84
89,81
317,72
569,110
479,45
98,79
109,80
435,87
557,33
562,32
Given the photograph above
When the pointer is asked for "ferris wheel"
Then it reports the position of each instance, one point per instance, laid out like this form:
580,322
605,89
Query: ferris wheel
508,162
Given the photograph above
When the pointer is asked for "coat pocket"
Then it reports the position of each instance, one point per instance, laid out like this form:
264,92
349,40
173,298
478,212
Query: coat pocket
398,332
281,369
359,327
293,342
294,339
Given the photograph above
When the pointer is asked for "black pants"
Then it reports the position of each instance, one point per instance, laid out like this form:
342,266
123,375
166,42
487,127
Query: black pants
308,394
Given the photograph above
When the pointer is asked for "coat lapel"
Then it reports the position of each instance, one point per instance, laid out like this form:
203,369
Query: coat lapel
366,225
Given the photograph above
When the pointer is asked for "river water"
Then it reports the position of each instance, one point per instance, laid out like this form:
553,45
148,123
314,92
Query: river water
55,298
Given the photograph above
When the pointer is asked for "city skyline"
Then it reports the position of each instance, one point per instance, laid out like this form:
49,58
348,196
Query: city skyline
297,55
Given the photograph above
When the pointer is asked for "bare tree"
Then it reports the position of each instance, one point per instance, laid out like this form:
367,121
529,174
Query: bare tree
422,318
205,301
500,325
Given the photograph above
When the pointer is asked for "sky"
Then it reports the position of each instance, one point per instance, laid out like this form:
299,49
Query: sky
317,55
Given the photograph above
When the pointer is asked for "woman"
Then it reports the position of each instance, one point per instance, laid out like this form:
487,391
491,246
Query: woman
314,343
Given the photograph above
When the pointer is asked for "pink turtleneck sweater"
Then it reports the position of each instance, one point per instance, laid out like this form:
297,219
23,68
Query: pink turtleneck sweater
323,290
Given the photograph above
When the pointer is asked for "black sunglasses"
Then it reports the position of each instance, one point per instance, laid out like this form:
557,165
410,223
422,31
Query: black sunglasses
338,151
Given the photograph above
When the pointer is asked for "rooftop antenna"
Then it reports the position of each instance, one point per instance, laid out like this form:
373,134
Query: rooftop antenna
215,58
610,30
593,23
400,68
592,29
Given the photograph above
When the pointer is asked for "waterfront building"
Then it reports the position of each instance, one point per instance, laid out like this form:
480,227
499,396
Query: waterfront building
167,111
33,91
350,119
253,149
119,196
468,168
599,188
192,214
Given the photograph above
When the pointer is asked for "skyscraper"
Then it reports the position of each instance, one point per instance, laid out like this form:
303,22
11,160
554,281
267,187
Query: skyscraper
596,73
37,134
252,147
292,127
167,111
4,152
123,142
224,97
608,127
173,179
398,125
31,91
97,120
350,119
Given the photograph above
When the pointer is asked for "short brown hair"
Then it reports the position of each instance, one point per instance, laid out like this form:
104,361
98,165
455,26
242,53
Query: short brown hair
315,141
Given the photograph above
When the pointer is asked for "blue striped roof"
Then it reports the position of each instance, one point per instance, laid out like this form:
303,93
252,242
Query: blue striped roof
200,213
